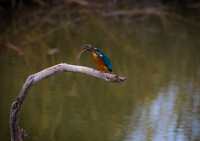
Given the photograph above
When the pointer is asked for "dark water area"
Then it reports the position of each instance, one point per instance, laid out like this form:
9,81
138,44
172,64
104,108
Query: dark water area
160,101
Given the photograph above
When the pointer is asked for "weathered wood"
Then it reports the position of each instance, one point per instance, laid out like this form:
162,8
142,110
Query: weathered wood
17,133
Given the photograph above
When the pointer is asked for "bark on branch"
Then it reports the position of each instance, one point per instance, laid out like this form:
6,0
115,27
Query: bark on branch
17,133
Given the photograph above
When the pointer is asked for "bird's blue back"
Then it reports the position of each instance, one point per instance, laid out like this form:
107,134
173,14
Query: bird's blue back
105,59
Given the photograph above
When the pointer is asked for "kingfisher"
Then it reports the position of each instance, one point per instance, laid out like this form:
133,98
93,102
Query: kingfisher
101,60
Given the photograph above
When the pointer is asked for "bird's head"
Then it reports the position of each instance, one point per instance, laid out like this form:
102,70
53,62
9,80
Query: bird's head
89,48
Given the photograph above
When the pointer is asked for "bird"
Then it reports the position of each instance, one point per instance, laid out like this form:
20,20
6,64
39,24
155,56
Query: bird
101,60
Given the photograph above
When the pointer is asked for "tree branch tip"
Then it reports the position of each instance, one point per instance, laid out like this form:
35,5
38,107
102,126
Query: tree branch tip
120,79
116,78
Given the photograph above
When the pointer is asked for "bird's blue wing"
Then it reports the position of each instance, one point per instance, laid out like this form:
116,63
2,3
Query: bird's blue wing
107,62
105,59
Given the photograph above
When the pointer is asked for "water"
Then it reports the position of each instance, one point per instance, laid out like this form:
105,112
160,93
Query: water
160,101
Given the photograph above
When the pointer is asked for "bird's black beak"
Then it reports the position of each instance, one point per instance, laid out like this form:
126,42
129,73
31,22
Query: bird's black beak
87,47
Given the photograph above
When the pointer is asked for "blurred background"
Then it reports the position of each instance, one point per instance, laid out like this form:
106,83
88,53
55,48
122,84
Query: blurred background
154,43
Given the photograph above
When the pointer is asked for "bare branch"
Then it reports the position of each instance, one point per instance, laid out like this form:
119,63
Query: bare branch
136,12
17,133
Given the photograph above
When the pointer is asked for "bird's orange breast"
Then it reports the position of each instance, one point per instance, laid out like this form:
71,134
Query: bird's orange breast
99,62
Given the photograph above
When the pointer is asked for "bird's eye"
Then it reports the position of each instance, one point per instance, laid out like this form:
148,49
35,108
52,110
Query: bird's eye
100,55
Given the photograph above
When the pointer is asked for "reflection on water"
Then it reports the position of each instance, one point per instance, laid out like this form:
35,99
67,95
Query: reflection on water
159,120
160,100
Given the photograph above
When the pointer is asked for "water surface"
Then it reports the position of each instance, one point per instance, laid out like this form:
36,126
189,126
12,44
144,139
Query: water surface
160,101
